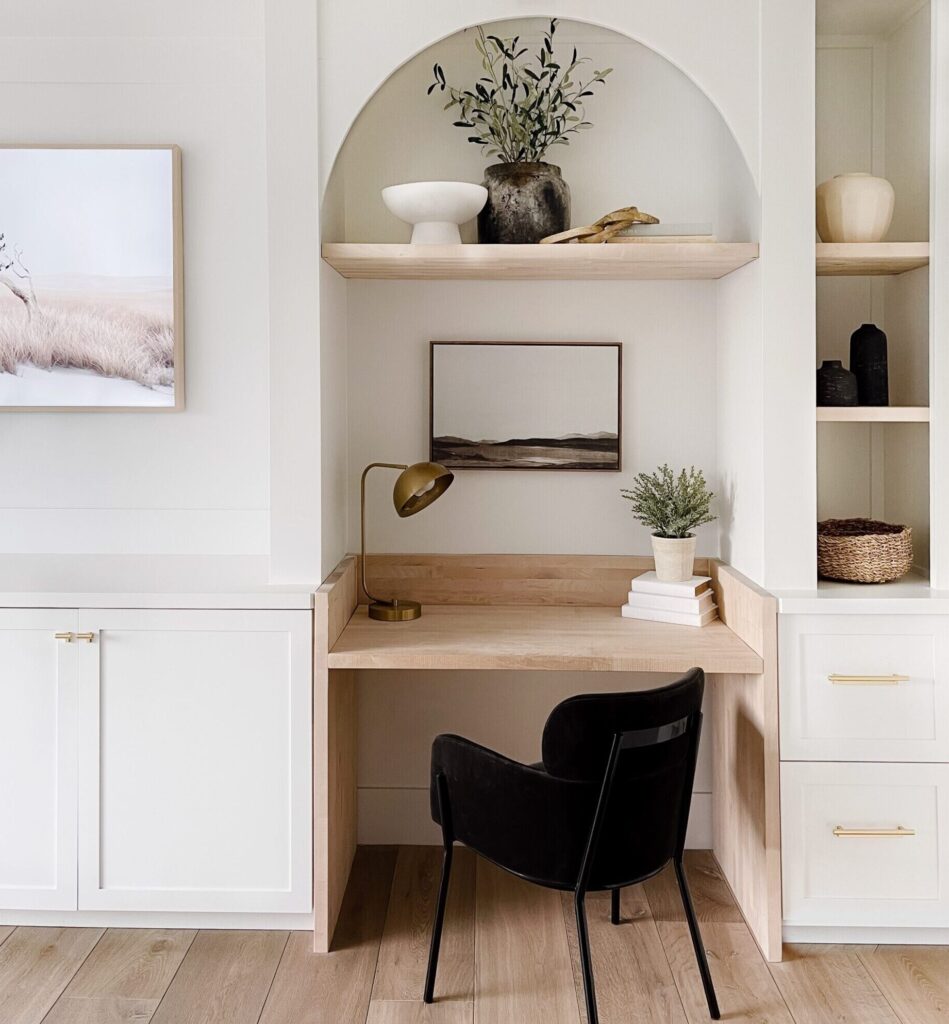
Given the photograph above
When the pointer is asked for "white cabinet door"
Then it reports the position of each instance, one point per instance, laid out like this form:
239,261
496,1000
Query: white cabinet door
38,701
194,750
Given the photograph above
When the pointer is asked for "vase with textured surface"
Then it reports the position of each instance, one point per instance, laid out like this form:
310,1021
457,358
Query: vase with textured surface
526,202
854,208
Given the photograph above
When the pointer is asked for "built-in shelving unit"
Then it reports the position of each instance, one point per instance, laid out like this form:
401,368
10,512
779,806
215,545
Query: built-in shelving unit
646,261
870,259
873,414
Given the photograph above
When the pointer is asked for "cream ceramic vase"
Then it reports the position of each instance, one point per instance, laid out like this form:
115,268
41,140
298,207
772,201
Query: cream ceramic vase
854,208
675,557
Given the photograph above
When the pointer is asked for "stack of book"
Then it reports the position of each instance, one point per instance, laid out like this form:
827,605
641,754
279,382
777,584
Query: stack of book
690,603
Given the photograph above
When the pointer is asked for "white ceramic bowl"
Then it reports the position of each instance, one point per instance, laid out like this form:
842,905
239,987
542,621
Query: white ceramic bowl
435,208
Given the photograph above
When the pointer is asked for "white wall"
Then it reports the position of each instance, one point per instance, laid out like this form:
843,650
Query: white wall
196,482
657,141
668,334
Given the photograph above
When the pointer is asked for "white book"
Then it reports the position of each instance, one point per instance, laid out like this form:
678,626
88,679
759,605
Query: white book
649,583
677,618
686,605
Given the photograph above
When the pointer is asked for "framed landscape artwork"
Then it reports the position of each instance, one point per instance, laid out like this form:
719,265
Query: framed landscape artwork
91,304
526,405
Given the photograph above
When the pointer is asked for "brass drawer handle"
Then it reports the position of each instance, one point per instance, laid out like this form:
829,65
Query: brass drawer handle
68,637
873,833
86,637
891,680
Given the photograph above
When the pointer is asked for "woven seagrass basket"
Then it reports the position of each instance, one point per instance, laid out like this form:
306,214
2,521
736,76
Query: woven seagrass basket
863,550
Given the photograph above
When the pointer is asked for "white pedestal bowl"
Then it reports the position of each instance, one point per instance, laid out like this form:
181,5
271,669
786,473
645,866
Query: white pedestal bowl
435,209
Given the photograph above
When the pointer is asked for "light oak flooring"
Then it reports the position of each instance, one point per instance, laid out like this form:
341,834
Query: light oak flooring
509,956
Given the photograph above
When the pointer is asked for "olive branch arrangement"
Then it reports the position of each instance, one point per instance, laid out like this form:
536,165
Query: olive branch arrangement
519,109
671,505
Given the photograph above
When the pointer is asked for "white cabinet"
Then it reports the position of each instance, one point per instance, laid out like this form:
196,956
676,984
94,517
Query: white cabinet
865,845
864,687
38,704
156,760
195,761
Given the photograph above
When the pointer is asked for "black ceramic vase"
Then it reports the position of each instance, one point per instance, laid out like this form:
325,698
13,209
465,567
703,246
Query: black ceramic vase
526,202
835,385
868,362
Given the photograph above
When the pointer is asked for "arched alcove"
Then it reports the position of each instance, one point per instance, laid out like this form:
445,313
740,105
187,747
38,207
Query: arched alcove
658,141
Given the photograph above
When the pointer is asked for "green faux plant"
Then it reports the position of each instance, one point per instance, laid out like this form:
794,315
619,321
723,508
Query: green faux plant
670,504
518,109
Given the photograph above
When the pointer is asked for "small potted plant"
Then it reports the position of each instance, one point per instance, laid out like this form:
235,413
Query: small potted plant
516,111
672,506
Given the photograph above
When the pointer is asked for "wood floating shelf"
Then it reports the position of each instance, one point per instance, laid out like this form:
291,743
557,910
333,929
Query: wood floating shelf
873,414
646,261
859,259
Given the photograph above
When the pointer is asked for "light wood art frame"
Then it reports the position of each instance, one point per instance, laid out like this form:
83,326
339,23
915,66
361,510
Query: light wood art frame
178,282
537,611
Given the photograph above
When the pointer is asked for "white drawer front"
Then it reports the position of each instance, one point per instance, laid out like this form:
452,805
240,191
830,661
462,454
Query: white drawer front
865,844
864,688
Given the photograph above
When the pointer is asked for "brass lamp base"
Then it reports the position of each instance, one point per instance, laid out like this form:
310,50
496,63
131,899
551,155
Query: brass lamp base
395,611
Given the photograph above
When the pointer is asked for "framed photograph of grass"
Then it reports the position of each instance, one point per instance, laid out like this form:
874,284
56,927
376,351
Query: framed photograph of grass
526,405
91,304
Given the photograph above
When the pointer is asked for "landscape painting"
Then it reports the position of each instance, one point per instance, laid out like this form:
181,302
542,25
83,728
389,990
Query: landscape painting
90,278
526,405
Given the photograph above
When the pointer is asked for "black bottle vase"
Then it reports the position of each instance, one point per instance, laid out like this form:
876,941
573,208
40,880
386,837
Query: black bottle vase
868,362
835,385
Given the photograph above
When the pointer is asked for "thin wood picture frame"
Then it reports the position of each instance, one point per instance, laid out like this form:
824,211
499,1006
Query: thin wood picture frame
177,305
579,430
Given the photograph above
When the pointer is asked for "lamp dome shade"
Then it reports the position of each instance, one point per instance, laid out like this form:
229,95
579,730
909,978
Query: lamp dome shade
418,486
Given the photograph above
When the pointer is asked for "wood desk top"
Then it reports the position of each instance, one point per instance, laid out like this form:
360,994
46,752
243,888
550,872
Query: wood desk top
548,638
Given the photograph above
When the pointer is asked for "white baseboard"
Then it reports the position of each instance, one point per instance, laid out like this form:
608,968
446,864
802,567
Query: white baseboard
866,936
155,919
402,817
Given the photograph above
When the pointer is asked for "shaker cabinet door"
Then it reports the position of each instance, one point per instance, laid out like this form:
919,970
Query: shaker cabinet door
38,702
195,788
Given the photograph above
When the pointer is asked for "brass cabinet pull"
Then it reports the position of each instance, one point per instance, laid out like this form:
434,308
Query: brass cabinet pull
86,637
68,637
891,680
873,833
71,637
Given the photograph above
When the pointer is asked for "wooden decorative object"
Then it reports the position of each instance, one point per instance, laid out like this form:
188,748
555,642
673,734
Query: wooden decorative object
604,229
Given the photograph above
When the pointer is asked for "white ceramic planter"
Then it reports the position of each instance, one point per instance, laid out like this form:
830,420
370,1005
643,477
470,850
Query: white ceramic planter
435,208
675,558
854,208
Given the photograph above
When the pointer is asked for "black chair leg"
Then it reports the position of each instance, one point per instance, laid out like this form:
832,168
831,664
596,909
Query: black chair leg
589,990
614,906
697,941
437,927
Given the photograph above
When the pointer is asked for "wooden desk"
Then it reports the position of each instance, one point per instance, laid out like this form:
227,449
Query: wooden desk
557,613
551,638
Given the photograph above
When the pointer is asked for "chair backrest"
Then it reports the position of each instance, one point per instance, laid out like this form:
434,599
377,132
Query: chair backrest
640,749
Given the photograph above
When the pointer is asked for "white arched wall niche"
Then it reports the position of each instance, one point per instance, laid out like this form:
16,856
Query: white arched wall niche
657,141
714,42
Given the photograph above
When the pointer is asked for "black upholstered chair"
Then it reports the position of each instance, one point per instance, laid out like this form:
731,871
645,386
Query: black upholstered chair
607,807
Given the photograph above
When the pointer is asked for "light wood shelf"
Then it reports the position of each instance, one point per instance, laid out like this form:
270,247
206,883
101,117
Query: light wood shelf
858,259
635,261
873,414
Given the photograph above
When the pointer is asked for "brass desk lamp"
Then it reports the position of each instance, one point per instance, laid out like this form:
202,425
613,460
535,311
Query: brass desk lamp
416,488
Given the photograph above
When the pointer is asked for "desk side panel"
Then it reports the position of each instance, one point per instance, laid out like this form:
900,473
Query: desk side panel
745,762
334,755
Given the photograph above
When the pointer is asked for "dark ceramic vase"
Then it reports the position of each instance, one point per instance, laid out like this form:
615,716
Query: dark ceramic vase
526,202
835,385
868,362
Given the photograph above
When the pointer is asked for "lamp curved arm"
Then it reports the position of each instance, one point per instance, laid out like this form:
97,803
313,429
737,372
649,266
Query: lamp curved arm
362,517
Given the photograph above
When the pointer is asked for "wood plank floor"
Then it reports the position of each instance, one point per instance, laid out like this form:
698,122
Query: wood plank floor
509,956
